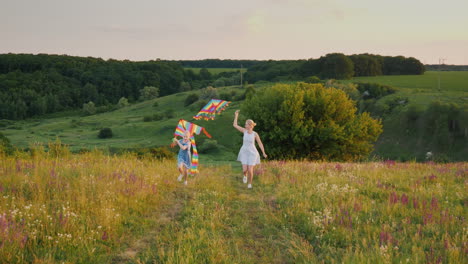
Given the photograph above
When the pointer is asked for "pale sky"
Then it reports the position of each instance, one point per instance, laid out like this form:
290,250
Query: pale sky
141,30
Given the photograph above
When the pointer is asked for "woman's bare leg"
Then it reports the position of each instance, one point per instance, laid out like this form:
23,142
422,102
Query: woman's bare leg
185,173
244,169
250,173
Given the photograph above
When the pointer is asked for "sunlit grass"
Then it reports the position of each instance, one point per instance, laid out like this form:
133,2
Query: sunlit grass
76,208
92,208
373,212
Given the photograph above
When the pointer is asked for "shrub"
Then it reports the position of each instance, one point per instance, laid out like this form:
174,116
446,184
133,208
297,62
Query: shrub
225,96
123,102
5,145
310,121
313,79
209,93
89,108
148,93
191,98
105,133
375,90
208,145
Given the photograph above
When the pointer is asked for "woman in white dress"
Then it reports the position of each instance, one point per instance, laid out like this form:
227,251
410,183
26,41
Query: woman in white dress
248,154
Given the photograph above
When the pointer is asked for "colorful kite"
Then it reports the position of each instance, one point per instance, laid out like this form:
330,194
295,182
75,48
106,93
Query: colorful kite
211,109
183,126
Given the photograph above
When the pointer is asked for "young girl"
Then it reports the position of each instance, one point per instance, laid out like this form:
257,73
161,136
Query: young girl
184,157
248,154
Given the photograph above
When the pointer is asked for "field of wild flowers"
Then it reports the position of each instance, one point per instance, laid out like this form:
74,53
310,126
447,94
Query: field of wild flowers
58,207
76,208
373,212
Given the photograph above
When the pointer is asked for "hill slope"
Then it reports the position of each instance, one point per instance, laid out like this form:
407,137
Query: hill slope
130,131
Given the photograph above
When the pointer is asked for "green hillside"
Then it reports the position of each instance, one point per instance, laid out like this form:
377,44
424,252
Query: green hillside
130,130
418,91
128,127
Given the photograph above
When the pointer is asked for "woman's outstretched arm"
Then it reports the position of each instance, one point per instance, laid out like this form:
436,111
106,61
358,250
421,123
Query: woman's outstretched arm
241,129
260,144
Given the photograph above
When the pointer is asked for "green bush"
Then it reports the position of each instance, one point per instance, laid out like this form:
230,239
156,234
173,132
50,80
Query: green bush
208,145
225,96
5,145
309,121
313,79
191,98
375,90
105,133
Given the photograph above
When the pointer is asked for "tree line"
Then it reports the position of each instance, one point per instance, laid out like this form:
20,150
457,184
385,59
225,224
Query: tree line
334,66
445,67
32,85
217,63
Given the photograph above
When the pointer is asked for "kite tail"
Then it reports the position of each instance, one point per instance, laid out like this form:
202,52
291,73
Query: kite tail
206,133
194,166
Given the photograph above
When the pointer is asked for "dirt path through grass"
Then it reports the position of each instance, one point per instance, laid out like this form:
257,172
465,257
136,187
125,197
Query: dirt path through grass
215,219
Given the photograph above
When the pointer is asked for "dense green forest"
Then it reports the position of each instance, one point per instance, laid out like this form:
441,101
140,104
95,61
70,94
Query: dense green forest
217,63
335,66
33,85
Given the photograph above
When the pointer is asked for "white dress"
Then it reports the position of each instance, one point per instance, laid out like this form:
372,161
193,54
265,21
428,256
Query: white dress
248,154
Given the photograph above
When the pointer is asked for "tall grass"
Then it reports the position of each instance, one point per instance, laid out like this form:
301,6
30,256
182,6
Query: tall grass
374,212
92,208
76,208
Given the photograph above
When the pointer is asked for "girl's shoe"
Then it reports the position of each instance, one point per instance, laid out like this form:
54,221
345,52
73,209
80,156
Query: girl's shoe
249,186
244,179
185,182
180,177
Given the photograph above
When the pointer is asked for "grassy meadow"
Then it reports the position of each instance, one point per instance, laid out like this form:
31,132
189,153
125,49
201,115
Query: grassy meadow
58,207
80,132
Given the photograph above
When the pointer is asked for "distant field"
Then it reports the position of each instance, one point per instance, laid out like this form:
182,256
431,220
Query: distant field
217,70
449,81
423,89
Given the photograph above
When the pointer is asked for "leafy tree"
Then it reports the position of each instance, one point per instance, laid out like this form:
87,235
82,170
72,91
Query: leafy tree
349,88
249,91
205,74
89,93
148,93
209,93
185,86
123,102
366,65
312,122
337,66
89,108
313,79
